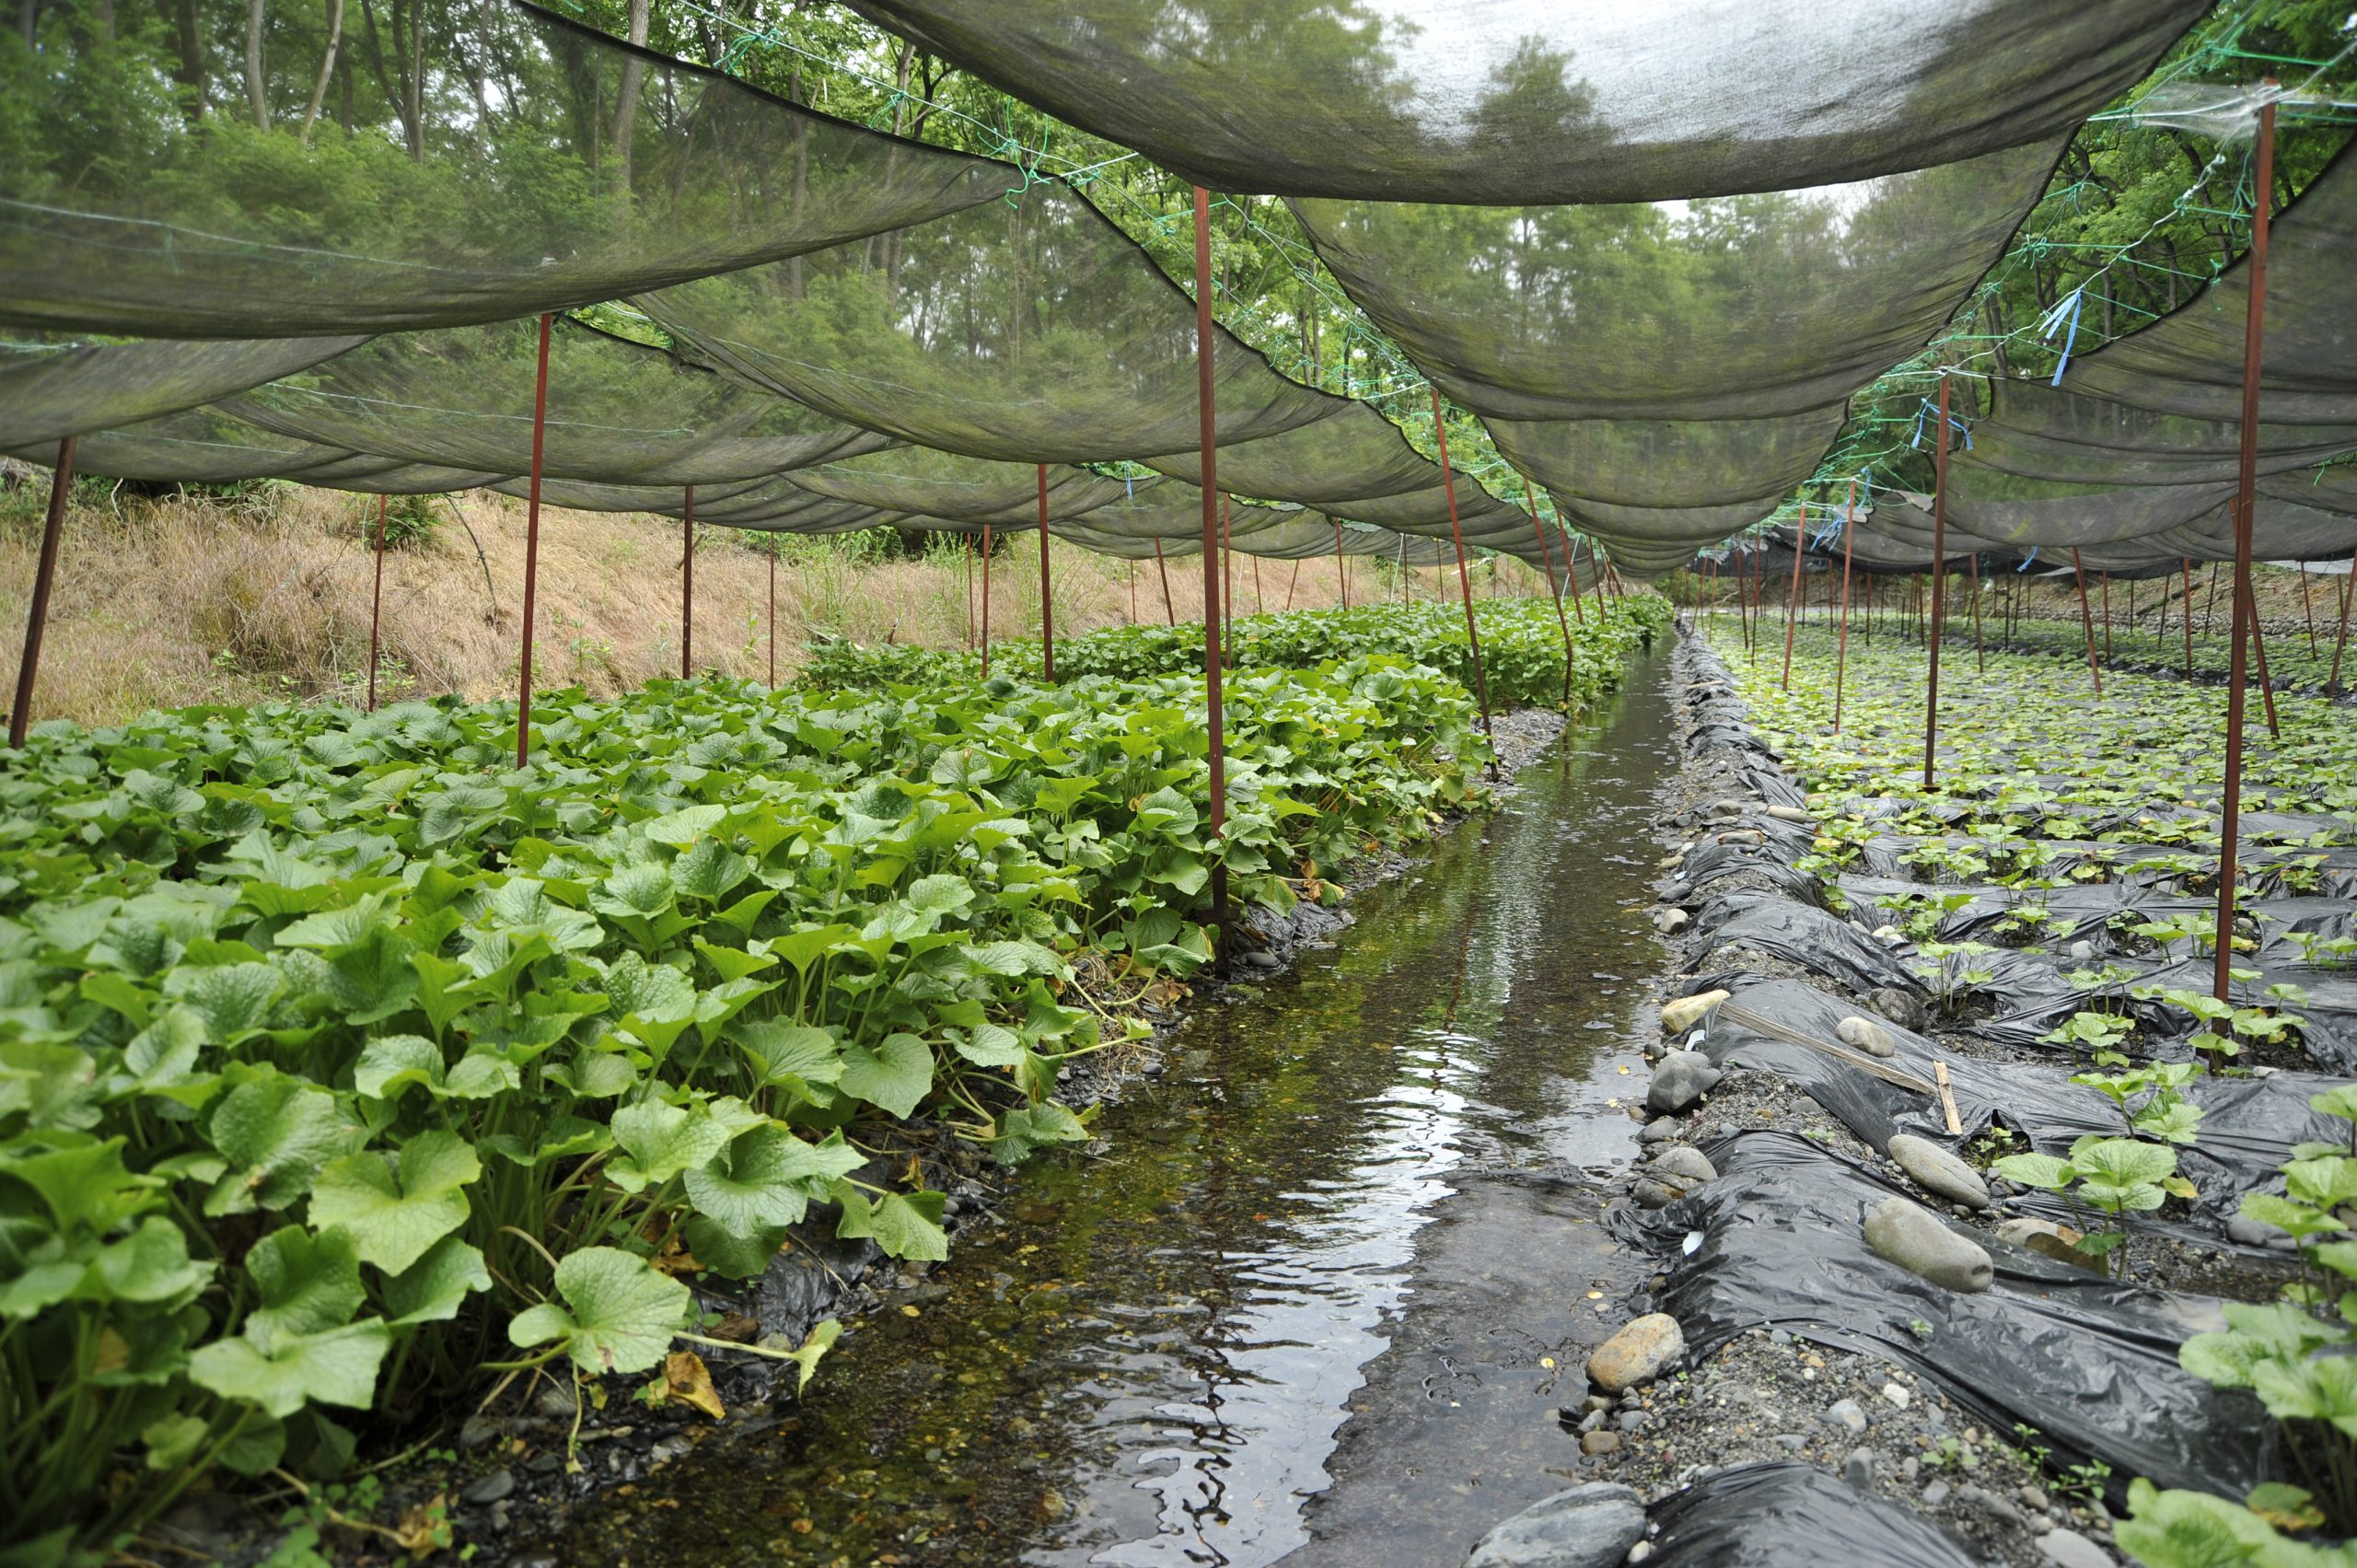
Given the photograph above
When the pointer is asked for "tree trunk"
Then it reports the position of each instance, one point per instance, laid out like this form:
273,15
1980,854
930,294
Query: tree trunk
326,68
626,110
257,90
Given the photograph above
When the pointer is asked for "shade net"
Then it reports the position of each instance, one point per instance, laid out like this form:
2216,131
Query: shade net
1669,371
1027,331
51,389
202,446
455,161
618,413
1505,102
2191,362
960,489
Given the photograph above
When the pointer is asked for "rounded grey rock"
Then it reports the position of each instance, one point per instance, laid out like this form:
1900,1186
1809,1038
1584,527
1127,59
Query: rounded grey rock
1586,1526
1916,1240
1938,1171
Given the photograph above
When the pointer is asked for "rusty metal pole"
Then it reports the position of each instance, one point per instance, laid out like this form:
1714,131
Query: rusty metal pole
2086,621
2254,324
2348,593
1570,570
1292,583
1939,582
1841,649
1980,652
52,529
773,554
687,580
1791,599
532,552
2307,606
2188,613
1206,415
1133,593
986,602
377,602
1464,584
1260,605
2106,578
1163,566
1047,608
2259,660
1540,529
1341,563
1226,581
969,590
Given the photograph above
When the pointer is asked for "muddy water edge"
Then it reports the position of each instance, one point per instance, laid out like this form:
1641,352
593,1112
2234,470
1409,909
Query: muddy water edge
1318,1293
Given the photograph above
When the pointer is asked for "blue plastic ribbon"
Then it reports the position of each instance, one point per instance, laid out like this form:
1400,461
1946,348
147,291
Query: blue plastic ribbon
2073,303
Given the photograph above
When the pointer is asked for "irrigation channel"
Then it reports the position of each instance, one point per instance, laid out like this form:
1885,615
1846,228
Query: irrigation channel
1303,1307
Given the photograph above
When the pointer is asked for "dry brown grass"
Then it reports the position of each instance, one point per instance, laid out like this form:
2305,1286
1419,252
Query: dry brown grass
169,602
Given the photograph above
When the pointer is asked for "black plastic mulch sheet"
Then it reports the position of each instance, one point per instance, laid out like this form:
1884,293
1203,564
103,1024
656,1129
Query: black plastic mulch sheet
2247,1127
1801,934
2091,1366
1793,1515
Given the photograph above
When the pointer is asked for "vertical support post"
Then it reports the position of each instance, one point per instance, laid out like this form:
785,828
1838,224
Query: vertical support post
1570,570
2254,325
687,580
2348,593
2259,657
1464,584
1842,648
1341,563
2307,606
532,552
1206,415
1133,593
1938,584
1046,606
1531,498
1260,605
377,601
52,529
773,554
2188,613
2105,580
1292,583
1980,652
1163,566
986,602
1226,581
969,590
1792,601
2086,621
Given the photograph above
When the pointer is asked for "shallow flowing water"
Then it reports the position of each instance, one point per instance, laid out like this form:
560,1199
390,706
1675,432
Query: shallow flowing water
1318,1300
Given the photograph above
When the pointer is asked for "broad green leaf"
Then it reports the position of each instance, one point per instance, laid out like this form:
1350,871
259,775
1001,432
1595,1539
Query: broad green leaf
397,1209
661,1140
2042,1171
307,1283
283,1373
275,1132
896,1075
905,1227
617,1315
433,1289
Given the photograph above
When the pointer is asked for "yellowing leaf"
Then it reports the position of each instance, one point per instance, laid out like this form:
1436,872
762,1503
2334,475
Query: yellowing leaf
686,1381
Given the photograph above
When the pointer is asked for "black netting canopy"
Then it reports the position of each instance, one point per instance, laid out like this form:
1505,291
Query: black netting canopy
1027,331
204,446
960,489
441,162
51,389
1511,101
1669,371
618,413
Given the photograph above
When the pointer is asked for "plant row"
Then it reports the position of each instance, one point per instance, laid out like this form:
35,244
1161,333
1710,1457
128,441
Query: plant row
1523,658
341,1060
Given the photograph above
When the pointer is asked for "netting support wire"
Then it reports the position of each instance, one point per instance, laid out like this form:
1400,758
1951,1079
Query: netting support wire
1939,584
1841,647
532,552
1341,563
2254,323
377,601
1557,583
61,485
2086,619
1464,584
2341,644
1214,718
1046,606
1162,565
686,577
986,602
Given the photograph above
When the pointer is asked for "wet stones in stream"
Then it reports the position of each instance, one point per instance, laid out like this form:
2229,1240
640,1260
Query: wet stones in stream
1683,1077
1586,1526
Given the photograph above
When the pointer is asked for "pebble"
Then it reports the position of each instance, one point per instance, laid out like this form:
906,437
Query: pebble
1867,1035
1897,1395
1938,1171
1936,1493
1683,1077
1639,1552
1596,1443
1632,1421
1788,814
2250,1232
1859,1469
1686,1011
2069,1548
1795,1441
1671,921
1261,960
1683,1161
498,1484
1913,1238
1901,1007
1988,1503
1660,1130
480,1430
1846,1413
1594,1526
1637,1353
